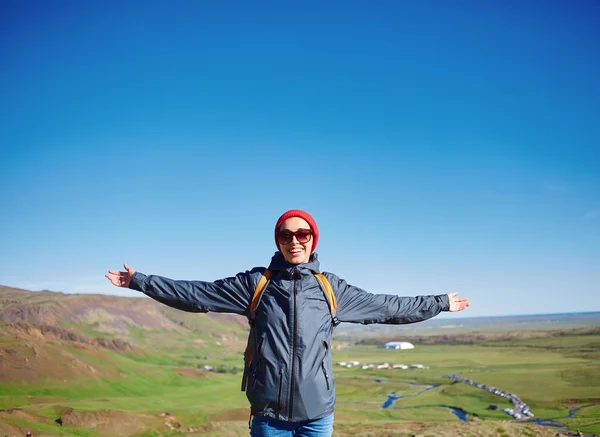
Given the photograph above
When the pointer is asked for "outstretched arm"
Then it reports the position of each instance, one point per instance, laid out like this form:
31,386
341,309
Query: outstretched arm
358,306
229,295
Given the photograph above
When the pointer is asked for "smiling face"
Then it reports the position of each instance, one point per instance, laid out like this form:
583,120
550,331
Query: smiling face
295,252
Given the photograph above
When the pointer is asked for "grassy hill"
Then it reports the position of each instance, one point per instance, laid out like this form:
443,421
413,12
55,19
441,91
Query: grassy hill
95,366
46,335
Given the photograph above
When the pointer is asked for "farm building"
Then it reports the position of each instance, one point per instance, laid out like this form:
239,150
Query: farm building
398,345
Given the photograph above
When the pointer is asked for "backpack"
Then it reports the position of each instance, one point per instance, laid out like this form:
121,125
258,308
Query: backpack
258,292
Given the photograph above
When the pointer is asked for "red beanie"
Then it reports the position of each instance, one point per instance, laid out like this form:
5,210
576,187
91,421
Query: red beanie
303,215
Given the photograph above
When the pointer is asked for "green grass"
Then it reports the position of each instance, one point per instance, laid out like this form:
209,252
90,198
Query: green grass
542,373
549,374
90,330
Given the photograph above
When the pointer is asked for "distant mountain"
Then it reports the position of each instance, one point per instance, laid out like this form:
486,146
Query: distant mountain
107,316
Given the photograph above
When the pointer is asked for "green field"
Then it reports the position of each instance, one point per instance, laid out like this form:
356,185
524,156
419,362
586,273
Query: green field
552,380
553,375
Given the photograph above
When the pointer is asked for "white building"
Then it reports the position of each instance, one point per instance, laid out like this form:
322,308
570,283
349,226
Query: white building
398,345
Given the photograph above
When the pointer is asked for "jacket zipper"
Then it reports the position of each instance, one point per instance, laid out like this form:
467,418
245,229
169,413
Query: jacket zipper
293,382
279,391
325,373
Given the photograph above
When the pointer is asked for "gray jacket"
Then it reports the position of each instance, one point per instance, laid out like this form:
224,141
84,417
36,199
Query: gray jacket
291,377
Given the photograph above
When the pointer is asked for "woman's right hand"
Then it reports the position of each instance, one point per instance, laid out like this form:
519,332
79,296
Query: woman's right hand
121,279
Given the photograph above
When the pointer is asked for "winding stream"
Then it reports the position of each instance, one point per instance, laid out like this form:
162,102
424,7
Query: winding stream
392,397
462,414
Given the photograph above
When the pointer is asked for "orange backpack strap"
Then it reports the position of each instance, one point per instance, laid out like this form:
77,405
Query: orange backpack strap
258,292
329,295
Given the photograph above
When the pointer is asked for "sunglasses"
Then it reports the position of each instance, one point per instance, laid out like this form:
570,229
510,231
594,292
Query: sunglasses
302,235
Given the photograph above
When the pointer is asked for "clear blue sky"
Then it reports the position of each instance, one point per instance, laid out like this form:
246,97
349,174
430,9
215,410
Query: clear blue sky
440,146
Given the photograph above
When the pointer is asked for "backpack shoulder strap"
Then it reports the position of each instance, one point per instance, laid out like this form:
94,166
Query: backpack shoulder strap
329,295
323,283
258,292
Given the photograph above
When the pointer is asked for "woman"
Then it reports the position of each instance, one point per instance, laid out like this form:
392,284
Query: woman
289,382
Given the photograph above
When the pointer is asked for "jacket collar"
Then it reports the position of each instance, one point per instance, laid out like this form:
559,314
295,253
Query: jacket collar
278,262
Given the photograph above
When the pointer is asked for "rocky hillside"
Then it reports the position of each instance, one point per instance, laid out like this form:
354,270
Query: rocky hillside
40,332
107,315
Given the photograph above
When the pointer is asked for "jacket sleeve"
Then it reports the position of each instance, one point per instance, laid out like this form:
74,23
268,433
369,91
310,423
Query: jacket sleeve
358,306
229,295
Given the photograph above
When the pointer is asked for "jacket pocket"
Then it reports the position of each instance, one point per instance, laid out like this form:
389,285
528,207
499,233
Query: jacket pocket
248,359
324,365
257,362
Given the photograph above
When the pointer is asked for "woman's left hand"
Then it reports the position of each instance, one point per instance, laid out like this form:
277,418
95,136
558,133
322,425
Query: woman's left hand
457,303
